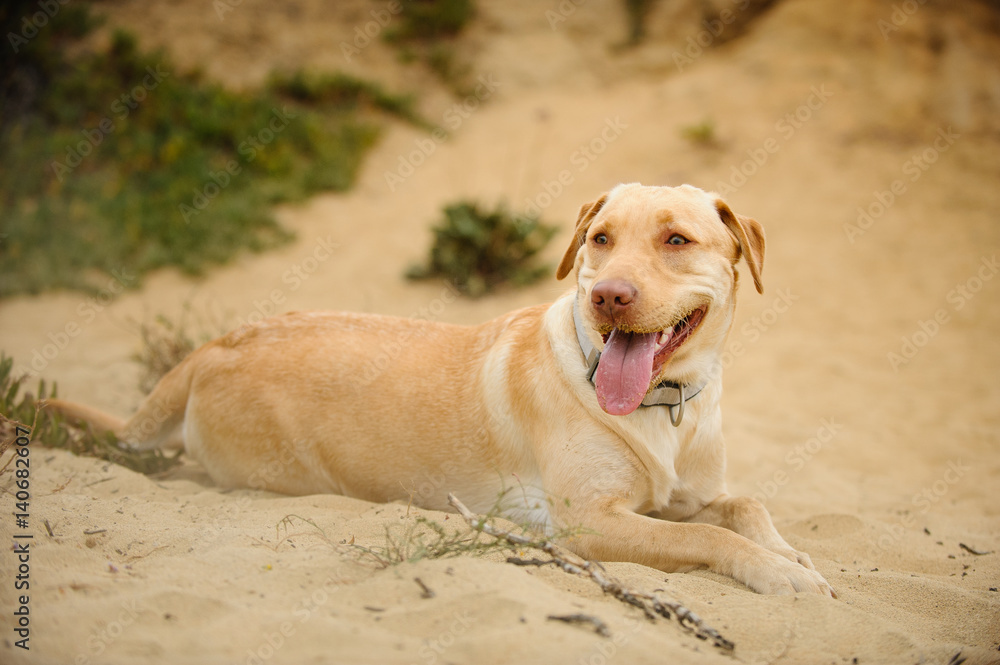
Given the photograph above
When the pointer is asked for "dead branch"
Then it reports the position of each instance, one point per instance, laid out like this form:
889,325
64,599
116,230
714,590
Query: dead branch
971,550
600,627
651,604
426,591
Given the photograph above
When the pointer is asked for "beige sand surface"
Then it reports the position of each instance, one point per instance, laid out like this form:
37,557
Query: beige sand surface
879,468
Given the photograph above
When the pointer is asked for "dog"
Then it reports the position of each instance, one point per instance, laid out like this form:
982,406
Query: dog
600,409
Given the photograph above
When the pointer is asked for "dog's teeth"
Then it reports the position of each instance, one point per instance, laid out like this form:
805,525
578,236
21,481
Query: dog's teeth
664,339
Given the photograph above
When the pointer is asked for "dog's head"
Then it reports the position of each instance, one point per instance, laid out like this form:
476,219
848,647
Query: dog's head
656,274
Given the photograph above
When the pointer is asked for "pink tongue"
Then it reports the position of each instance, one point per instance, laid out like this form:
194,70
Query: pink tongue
624,371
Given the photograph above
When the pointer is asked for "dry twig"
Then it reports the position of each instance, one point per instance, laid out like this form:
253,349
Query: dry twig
971,550
651,604
426,591
600,627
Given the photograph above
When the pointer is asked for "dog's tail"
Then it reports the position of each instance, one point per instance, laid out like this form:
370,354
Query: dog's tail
80,413
157,423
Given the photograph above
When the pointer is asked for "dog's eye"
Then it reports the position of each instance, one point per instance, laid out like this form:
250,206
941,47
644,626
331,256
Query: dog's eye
677,239
601,239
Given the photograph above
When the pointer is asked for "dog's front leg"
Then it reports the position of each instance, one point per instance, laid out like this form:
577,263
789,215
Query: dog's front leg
749,518
622,535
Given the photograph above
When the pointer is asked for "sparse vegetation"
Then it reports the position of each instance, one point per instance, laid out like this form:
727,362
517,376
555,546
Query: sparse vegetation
426,30
421,538
165,343
637,11
343,92
479,251
51,430
430,20
114,159
702,133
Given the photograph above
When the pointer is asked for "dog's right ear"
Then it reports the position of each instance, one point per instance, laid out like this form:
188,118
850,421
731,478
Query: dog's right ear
750,236
587,213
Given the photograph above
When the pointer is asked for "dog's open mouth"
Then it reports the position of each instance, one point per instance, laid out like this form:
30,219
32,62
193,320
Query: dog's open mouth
631,360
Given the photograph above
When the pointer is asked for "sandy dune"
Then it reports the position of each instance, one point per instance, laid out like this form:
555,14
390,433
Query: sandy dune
862,393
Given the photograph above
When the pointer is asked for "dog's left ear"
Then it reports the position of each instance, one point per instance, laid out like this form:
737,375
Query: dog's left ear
750,236
587,213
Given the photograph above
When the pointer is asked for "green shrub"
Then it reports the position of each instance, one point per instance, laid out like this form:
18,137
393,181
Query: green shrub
637,11
478,251
115,160
430,20
425,30
49,429
702,133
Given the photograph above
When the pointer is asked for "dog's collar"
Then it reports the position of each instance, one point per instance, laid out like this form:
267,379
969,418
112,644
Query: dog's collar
666,393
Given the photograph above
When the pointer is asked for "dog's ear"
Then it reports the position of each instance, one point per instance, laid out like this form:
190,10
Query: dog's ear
750,236
587,213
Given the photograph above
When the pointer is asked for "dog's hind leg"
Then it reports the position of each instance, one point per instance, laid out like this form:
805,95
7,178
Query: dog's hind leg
156,424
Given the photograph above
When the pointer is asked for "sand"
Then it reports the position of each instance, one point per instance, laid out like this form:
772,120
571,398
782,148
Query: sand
861,389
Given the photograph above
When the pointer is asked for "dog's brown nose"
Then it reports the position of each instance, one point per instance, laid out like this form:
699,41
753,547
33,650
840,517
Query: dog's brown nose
613,297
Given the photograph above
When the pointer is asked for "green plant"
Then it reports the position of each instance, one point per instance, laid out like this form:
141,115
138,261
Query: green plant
344,92
165,342
479,251
429,20
51,430
421,538
112,159
702,133
426,31
637,11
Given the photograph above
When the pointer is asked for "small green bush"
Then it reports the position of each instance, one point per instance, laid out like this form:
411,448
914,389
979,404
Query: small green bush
479,251
50,430
637,11
114,160
430,20
702,133
425,31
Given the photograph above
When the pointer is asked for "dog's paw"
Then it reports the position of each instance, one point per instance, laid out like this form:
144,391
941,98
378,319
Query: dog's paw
781,573
798,557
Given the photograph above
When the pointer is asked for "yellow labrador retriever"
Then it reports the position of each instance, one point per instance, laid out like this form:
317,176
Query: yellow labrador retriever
601,409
